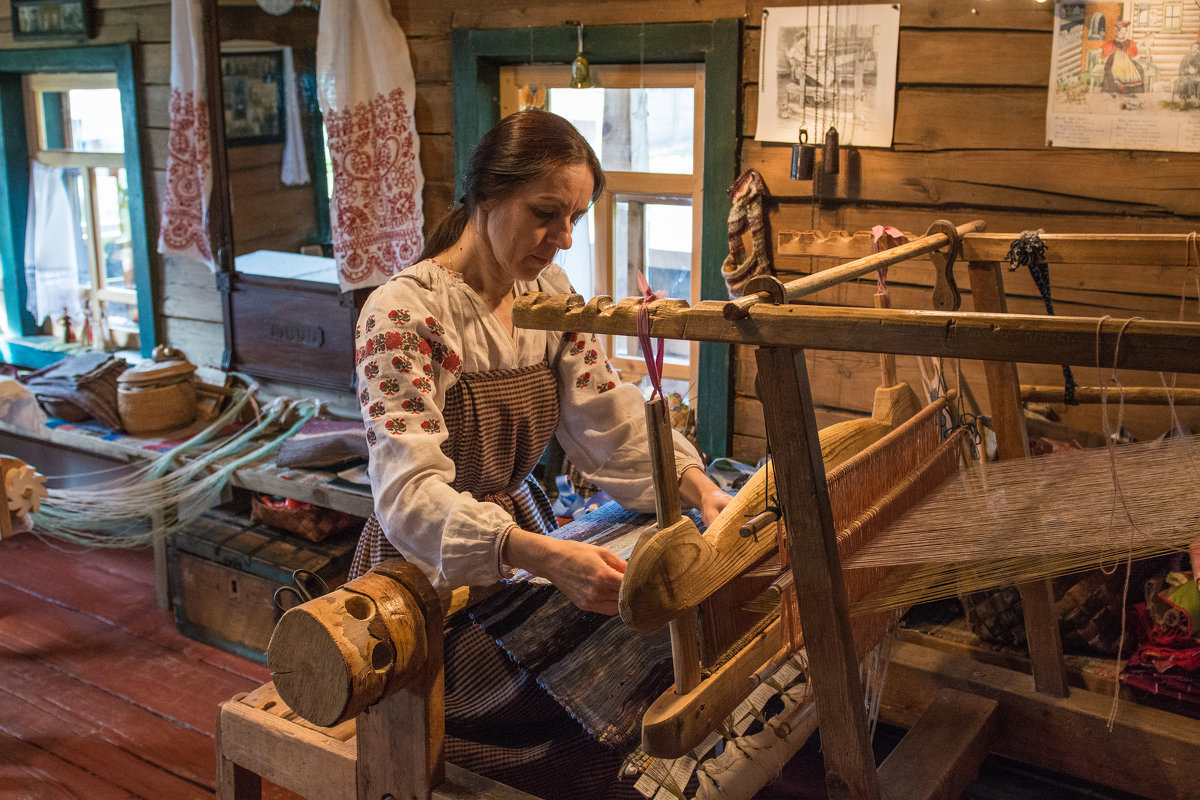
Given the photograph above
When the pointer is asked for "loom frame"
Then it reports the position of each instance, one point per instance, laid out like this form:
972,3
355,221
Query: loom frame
989,333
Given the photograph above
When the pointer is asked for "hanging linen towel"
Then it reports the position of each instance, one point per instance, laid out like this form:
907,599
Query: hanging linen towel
365,88
55,253
184,213
295,153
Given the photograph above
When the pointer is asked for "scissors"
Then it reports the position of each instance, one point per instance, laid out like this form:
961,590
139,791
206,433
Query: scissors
305,585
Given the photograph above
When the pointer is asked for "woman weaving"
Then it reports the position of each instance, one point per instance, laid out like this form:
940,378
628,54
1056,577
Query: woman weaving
459,405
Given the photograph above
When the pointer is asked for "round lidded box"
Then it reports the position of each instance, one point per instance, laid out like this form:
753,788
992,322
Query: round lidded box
158,395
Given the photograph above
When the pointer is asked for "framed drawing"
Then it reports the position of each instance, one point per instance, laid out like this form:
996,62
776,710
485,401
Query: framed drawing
826,66
51,19
252,82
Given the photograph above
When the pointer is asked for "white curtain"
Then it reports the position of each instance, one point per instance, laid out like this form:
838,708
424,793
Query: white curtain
366,91
55,253
183,229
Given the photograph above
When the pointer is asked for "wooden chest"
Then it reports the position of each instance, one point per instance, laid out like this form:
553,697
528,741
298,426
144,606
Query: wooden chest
224,571
286,320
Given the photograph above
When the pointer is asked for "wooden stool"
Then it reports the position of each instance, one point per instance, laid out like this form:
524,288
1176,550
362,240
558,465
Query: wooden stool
362,666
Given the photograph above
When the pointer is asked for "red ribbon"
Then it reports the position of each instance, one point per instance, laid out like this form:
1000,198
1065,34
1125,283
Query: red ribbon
654,364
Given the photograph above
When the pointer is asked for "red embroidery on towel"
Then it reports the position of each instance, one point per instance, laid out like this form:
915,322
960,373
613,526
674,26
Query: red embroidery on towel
189,161
376,213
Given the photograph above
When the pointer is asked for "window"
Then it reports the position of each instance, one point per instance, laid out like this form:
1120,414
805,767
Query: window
73,130
714,47
646,125
1172,17
76,110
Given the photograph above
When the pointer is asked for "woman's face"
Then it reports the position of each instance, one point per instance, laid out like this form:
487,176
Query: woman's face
528,228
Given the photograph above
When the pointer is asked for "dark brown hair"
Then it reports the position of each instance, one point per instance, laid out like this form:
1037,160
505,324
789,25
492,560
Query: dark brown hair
522,148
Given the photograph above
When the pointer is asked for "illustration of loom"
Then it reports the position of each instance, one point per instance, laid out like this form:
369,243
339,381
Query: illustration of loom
371,652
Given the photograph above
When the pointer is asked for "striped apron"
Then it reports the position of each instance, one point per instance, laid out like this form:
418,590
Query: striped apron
499,721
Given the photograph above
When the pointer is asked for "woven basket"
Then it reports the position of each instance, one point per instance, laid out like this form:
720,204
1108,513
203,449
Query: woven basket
312,522
157,396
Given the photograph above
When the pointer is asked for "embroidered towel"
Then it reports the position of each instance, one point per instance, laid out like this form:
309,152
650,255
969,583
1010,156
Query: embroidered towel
183,230
365,88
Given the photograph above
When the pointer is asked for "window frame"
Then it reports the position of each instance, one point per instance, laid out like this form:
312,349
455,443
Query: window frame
477,56
14,172
627,186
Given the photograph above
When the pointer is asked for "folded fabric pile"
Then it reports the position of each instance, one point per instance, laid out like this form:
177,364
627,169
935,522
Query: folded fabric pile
79,388
1165,668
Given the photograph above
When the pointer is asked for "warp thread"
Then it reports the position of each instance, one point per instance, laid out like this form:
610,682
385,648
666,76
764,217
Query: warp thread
1029,250
749,194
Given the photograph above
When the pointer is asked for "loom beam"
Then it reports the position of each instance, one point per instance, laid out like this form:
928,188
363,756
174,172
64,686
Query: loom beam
1029,338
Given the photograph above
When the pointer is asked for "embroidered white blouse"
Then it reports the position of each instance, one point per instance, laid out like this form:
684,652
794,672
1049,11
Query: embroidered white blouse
416,335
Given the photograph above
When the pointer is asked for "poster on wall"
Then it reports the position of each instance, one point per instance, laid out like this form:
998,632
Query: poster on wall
828,67
1125,76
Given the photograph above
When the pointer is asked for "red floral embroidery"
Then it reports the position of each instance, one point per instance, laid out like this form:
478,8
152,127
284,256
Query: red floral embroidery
422,384
401,363
414,406
399,316
427,369
393,340
424,347
376,409
389,386
583,380
371,369
431,426
590,357
395,426
435,326
376,208
577,348
604,387
363,397
452,363
371,322
371,436
183,229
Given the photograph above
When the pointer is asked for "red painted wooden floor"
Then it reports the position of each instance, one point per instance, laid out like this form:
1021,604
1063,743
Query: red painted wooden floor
100,697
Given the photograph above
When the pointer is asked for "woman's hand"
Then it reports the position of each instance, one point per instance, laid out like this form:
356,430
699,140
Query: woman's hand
588,575
698,490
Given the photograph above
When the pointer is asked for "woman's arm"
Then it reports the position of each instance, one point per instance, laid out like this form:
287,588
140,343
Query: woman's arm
699,491
588,575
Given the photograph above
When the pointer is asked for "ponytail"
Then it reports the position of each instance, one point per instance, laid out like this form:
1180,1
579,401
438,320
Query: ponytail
446,233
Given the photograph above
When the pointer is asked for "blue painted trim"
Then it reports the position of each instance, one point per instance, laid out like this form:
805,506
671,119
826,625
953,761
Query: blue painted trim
477,56
14,174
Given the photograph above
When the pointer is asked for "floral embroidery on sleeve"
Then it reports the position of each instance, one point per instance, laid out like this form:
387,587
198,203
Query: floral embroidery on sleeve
587,349
411,358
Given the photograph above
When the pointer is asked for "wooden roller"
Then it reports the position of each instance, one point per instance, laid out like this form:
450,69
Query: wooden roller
336,655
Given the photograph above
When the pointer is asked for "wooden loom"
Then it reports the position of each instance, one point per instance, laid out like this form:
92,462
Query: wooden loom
781,332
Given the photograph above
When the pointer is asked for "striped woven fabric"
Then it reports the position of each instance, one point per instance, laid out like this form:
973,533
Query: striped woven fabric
602,672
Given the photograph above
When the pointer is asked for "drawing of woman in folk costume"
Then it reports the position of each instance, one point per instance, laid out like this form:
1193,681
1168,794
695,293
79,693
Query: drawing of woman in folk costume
1122,74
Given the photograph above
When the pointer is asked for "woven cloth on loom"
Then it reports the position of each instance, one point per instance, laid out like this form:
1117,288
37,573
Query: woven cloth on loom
602,672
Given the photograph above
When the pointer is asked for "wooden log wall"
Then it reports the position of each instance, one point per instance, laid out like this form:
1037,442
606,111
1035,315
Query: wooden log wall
968,143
